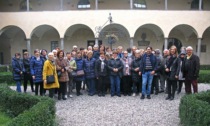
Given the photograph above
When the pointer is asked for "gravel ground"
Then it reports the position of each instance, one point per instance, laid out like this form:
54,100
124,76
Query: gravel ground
120,111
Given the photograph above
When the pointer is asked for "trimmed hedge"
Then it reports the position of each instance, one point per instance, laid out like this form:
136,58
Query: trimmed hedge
204,76
194,110
204,67
27,110
6,77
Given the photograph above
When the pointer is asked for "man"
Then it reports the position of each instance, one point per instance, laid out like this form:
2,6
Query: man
120,51
147,69
96,53
191,70
163,76
74,48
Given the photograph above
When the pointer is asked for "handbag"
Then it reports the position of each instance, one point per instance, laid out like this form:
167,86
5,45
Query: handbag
80,73
50,79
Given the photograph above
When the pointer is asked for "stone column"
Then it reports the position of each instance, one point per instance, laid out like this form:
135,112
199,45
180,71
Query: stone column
62,43
61,5
131,42
96,41
131,4
28,6
166,4
200,4
199,47
28,46
96,4
166,43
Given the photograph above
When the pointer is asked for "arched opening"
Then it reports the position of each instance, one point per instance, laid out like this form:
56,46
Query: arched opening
114,35
205,47
79,35
149,35
186,35
12,40
45,37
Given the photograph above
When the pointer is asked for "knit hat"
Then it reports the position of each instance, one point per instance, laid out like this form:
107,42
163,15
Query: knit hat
183,52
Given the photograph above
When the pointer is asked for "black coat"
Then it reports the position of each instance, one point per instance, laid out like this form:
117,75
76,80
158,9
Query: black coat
172,66
135,64
98,71
115,63
191,67
26,63
17,66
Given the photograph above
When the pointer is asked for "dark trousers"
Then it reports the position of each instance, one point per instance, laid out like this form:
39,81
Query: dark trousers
172,86
37,86
126,83
188,86
28,77
51,92
78,86
101,84
155,84
179,89
63,89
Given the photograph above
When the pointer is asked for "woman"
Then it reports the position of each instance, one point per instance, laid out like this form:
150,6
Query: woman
135,66
171,70
126,79
115,67
50,69
36,67
80,67
89,67
18,70
101,72
72,68
181,79
62,66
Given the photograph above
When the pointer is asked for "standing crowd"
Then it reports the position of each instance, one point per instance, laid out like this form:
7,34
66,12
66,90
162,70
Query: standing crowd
101,70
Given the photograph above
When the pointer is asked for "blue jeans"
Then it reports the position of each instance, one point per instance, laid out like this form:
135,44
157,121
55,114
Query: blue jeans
115,85
18,84
91,86
146,81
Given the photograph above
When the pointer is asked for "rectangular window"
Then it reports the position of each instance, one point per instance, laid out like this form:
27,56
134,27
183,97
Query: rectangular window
54,45
203,48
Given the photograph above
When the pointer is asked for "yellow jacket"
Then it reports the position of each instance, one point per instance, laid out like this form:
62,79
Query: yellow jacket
50,69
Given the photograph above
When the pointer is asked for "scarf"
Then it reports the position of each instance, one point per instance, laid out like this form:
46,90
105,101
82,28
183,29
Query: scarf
126,66
102,64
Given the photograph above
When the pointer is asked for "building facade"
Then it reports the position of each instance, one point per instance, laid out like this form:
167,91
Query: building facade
47,24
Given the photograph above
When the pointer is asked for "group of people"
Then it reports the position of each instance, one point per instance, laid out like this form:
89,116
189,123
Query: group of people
104,70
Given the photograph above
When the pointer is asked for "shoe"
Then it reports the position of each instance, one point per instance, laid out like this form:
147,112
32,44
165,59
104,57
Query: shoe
77,94
156,93
80,93
172,98
142,97
64,98
99,94
71,96
112,95
161,91
119,95
134,94
148,97
129,94
178,92
59,97
103,95
167,98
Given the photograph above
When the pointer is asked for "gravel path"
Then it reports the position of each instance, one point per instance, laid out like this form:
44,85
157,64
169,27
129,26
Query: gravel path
120,111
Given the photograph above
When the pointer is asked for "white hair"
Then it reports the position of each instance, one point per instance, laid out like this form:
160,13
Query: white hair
189,48
137,51
54,51
50,53
74,46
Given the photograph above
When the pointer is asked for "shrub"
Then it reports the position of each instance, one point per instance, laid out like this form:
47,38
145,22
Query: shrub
3,68
194,110
6,77
27,109
204,76
205,67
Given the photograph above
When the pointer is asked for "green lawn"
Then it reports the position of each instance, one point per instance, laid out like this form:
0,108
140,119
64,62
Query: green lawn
4,119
